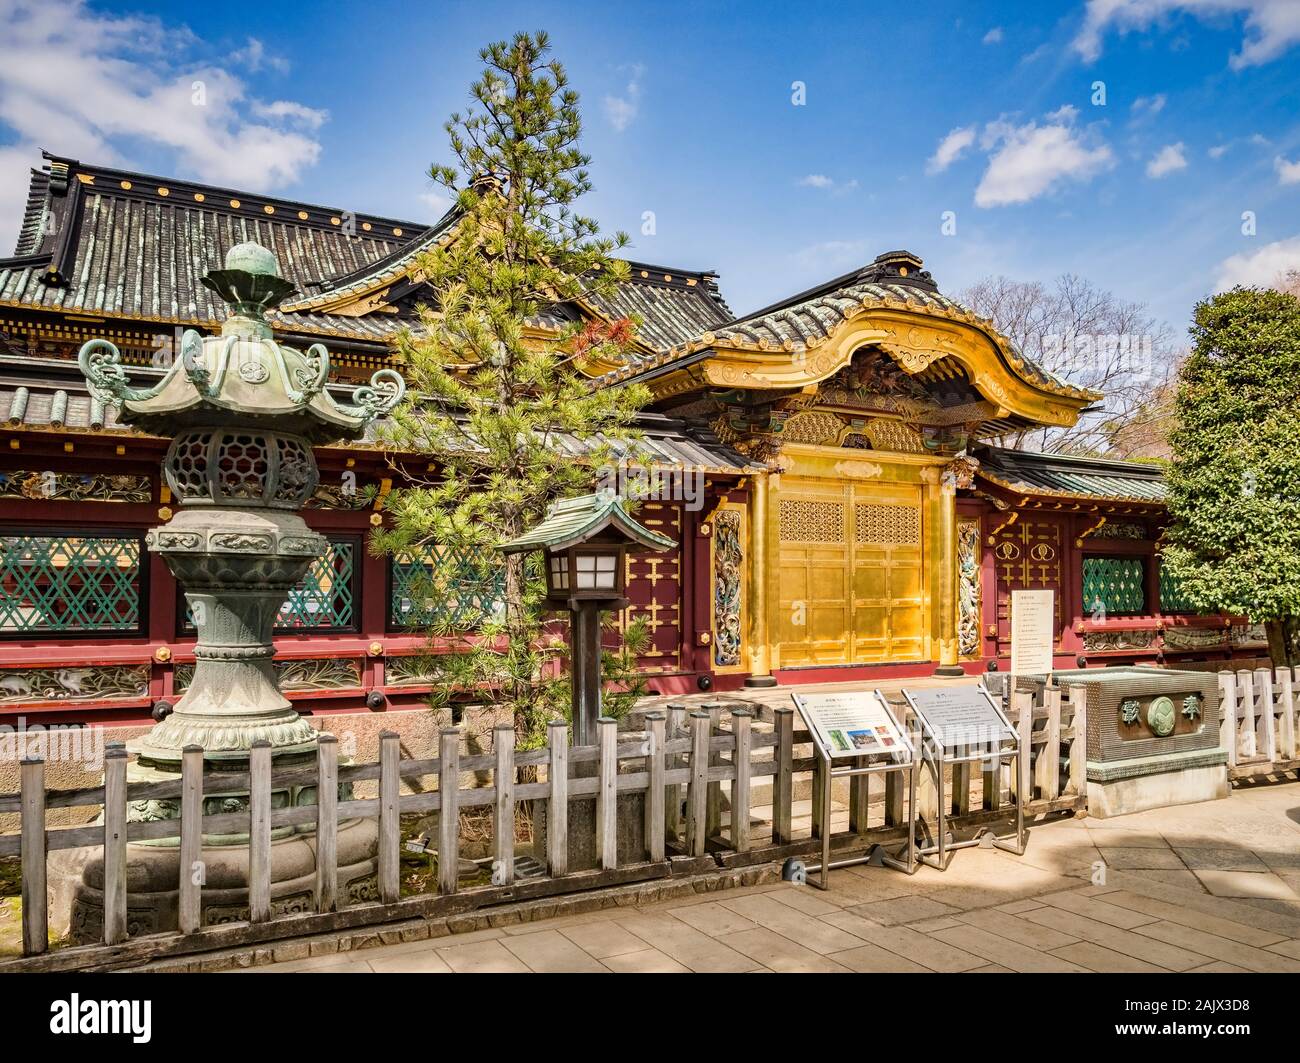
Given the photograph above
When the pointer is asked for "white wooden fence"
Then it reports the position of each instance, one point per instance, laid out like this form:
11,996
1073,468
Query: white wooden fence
680,762
1259,725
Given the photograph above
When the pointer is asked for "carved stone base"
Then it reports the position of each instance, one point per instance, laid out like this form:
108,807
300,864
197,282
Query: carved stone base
76,878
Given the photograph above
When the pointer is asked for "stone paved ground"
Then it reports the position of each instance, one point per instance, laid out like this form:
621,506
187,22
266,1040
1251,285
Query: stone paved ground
1209,887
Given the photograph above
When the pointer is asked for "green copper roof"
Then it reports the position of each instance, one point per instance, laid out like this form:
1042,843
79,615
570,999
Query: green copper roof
572,521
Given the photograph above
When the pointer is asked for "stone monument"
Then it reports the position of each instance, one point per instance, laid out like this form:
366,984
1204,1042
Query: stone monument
243,413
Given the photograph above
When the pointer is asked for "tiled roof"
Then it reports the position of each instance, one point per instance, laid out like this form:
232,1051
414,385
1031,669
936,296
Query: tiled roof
809,318
573,520
1063,476
135,246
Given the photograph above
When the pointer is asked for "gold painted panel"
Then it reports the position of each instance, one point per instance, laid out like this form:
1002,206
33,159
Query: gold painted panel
850,568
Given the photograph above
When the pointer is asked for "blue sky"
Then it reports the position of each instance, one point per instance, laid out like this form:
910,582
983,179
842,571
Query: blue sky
984,110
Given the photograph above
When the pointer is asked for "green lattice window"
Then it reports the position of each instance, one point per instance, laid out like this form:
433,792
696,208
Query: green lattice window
70,584
441,585
325,599
1115,585
1172,599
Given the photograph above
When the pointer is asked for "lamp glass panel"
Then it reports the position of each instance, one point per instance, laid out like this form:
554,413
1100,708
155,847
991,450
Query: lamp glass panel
586,572
606,571
559,572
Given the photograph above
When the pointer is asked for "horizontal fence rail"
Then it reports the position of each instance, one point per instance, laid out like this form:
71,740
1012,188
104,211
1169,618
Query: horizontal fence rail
681,762
1260,725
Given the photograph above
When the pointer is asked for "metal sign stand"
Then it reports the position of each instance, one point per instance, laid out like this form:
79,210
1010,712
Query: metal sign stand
937,753
904,761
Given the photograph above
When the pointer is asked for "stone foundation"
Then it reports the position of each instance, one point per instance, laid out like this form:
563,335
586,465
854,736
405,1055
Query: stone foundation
76,882
1157,782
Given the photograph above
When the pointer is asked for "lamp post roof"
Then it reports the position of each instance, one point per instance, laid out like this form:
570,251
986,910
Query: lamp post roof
573,521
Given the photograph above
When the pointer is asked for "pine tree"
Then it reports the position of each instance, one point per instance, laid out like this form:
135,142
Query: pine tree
1234,543
492,383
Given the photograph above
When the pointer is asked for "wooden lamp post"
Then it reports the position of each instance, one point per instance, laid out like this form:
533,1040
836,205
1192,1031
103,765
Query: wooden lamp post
587,540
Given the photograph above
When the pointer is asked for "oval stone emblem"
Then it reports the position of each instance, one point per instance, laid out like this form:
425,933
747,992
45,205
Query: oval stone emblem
1160,716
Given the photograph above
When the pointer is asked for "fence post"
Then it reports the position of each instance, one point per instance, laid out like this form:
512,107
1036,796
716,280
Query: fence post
1247,728
36,935
189,901
673,794
1079,743
654,793
741,720
327,822
557,804
1228,715
115,846
503,778
390,816
783,780
817,826
959,802
714,816
259,832
859,801
1266,743
607,793
448,809
1049,759
697,798
1286,712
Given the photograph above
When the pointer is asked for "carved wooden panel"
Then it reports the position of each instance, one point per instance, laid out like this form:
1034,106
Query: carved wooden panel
1027,555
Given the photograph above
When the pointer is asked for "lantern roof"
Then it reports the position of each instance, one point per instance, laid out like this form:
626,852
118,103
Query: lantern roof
574,521
243,375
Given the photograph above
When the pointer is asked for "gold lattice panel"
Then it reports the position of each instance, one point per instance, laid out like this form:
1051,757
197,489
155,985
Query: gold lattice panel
874,522
806,520
813,427
895,436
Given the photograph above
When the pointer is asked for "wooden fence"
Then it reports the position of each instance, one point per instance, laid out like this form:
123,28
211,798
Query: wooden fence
680,762
1259,720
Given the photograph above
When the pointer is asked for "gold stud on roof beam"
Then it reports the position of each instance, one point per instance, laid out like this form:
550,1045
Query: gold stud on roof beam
302,215
235,203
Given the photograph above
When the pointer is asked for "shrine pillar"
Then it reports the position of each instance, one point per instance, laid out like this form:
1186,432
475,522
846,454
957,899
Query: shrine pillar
760,657
941,499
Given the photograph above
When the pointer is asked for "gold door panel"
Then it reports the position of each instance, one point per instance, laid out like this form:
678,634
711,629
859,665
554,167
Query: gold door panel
850,570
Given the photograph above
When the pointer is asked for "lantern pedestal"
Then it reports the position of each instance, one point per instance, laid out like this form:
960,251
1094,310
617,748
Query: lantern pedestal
243,413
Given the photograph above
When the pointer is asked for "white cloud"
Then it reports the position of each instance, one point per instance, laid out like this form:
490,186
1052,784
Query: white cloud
254,57
1261,267
621,110
1149,105
1218,151
101,87
1271,26
950,149
1288,173
1167,160
829,184
288,110
1030,160
994,36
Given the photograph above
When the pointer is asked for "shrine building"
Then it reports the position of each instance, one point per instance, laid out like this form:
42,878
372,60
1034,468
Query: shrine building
854,518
